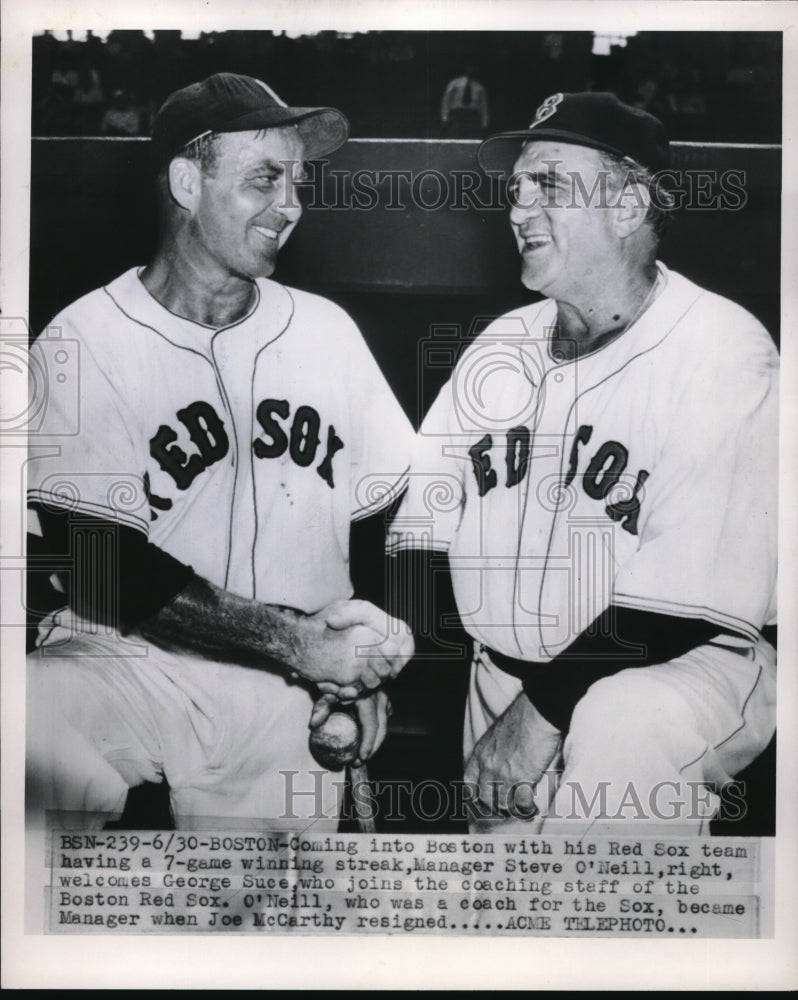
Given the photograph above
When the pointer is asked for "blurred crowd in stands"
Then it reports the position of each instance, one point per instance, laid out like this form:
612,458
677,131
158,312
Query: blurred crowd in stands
710,86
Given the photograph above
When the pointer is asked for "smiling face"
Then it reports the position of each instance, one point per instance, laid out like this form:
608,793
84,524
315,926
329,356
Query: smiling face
560,217
248,205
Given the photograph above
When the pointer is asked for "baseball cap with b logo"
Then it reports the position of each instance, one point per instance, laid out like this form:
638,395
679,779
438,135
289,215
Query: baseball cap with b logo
547,108
596,120
229,102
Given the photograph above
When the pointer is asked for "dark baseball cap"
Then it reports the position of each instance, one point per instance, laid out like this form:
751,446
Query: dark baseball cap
596,120
228,102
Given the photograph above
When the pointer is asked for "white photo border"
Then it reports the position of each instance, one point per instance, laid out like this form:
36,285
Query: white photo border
39,961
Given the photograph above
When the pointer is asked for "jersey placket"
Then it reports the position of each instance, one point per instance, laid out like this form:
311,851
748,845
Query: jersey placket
544,498
235,350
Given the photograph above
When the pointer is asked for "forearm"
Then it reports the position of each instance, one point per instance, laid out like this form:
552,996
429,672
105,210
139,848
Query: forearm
207,621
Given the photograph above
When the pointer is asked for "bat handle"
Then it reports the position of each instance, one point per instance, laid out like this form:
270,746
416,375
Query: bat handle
363,813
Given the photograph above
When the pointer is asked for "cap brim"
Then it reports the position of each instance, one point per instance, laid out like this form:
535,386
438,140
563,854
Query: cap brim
322,130
498,153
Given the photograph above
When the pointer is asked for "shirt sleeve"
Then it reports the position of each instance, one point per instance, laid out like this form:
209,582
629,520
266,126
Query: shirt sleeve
87,488
83,456
708,526
382,434
432,507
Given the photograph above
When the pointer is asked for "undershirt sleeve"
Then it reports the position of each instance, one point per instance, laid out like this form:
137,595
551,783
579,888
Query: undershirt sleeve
420,593
109,572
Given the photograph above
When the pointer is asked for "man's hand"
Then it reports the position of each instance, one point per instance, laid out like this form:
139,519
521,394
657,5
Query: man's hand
373,712
510,759
350,647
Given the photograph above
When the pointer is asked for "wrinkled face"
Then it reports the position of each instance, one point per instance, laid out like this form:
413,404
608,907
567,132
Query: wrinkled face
249,204
562,219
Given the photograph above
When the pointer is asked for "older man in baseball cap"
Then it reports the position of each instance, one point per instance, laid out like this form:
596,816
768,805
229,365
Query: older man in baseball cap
609,456
219,457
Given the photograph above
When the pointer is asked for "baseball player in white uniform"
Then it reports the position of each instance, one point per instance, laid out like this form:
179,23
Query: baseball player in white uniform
601,471
201,505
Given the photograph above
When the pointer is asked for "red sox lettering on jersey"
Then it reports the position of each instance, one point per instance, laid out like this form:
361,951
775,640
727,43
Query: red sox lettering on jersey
603,472
206,429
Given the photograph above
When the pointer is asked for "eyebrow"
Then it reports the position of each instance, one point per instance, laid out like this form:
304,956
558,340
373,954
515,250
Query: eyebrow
538,176
274,166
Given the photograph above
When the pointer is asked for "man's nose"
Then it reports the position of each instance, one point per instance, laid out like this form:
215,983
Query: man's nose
289,204
525,202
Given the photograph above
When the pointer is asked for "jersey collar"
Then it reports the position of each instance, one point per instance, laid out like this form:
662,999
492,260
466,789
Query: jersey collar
675,298
272,308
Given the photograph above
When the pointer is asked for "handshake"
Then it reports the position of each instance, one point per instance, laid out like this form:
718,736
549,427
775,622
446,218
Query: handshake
350,648
348,651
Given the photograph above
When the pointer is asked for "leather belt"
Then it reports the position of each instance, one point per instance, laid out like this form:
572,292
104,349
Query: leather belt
509,664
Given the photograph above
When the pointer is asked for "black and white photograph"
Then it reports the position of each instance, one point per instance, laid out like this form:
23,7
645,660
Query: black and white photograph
398,474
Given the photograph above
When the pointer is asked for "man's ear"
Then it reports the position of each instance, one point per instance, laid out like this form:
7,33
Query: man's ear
631,208
185,182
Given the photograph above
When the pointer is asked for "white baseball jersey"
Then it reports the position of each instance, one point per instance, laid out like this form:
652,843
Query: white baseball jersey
644,474
244,452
